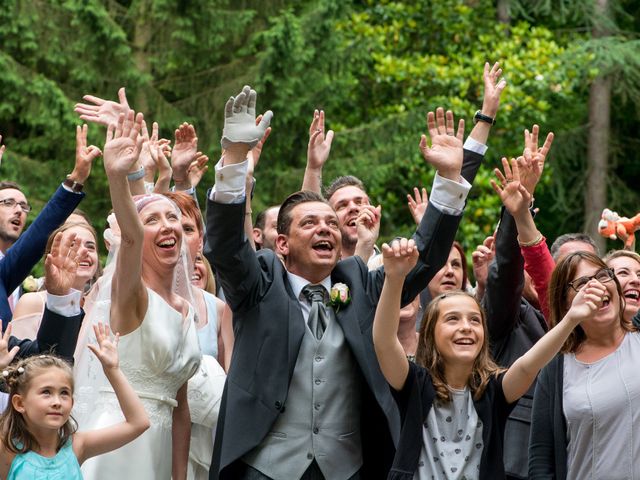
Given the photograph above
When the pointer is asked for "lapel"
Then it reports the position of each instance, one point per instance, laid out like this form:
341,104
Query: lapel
347,318
295,323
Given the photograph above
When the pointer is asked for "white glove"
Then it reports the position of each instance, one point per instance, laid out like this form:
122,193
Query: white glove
240,120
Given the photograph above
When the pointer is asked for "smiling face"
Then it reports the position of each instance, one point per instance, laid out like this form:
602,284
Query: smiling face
347,202
199,277
47,402
459,330
609,313
312,244
192,235
88,263
162,234
627,270
12,219
448,277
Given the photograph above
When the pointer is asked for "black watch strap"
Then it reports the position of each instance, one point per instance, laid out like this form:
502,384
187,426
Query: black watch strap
74,186
481,117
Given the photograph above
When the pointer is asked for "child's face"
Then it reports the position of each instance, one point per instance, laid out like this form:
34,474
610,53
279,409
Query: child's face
459,334
48,401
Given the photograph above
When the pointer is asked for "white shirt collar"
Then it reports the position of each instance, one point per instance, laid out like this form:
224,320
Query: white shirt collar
298,283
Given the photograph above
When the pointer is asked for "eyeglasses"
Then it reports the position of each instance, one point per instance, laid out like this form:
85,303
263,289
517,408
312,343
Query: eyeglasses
11,203
603,275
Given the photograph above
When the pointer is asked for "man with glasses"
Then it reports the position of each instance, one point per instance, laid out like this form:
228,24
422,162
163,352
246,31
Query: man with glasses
20,252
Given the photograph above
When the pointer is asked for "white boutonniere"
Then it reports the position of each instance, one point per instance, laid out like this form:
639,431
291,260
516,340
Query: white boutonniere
339,296
30,284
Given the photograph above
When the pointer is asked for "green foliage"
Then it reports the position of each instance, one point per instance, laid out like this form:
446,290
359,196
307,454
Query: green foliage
375,67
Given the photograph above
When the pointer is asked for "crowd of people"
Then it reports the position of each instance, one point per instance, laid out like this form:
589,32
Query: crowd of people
210,346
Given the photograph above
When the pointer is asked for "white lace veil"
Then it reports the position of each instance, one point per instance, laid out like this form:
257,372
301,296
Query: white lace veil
88,375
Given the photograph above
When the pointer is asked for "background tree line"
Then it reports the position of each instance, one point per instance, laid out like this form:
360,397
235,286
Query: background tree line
375,67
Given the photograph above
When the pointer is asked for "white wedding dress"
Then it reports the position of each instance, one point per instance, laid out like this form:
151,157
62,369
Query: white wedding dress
157,358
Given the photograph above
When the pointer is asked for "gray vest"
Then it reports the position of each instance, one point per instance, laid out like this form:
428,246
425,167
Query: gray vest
322,415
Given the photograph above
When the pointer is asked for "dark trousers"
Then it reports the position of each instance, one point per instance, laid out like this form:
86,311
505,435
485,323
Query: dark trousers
312,473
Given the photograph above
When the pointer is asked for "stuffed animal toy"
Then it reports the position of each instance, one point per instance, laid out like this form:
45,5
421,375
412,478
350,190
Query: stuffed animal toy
614,226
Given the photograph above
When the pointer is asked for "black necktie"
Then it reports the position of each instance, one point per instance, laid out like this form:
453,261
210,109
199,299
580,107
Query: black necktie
318,316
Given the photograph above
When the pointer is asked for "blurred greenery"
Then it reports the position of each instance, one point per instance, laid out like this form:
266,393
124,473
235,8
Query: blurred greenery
375,67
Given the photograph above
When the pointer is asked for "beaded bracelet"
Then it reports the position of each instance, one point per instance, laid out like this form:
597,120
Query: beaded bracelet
533,242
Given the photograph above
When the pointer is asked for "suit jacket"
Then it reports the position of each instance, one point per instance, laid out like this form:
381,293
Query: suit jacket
57,334
28,249
514,327
269,327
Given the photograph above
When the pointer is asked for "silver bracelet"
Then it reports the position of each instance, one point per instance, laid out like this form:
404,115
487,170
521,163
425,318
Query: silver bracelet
137,175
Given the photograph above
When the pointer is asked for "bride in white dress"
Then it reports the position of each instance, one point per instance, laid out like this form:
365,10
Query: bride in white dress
158,346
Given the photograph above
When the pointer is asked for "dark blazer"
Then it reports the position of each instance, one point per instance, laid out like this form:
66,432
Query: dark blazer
548,444
269,327
28,249
57,334
514,327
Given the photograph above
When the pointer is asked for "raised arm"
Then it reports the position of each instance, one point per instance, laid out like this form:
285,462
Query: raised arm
317,153
129,297
28,249
524,371
228,249
398,259
96,442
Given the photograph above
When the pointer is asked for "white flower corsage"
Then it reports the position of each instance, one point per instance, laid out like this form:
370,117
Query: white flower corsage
339,296
30,284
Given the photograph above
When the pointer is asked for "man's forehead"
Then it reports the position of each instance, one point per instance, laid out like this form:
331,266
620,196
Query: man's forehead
12,193
347,193
313,208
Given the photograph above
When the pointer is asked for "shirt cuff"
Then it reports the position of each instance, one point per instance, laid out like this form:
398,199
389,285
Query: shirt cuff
65,305
230,183
475,146
448,196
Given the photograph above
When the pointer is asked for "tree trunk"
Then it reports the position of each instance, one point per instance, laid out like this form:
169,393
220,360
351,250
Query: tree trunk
504,14
141,38
598,143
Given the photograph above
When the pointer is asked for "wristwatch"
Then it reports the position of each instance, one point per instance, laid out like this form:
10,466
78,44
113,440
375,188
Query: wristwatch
73,185
480,117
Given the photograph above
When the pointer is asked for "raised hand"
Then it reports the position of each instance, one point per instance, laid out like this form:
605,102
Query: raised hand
84,155
183,153
534,156
419,205
123,145
61,263
493,87
148,153
319,142
102,111
240,132
445,153
587,301
256,151
513,194
368,226
481,258
6,355
2,148
159,154
107,350
399,257
197,169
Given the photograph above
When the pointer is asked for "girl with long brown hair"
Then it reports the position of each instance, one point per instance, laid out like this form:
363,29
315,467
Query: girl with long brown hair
454,400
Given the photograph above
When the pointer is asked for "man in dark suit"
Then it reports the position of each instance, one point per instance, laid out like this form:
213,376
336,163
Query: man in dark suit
303,402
